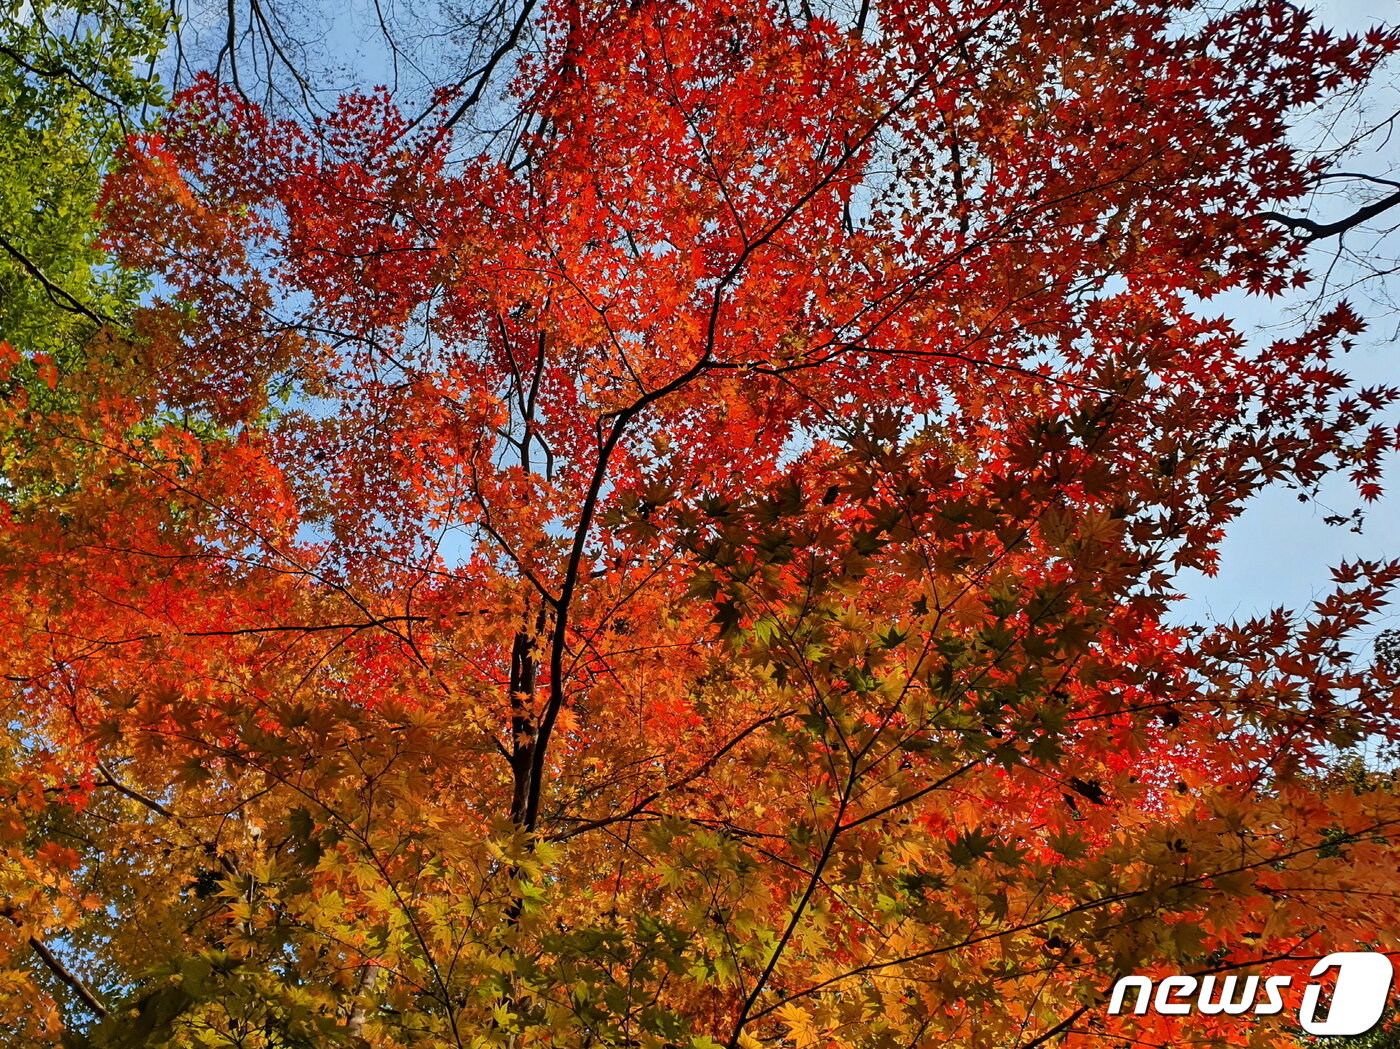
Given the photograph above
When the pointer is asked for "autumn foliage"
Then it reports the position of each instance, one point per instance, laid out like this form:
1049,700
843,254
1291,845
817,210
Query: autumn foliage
699,576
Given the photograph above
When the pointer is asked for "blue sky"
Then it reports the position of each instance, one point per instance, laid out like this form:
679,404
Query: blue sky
1280,552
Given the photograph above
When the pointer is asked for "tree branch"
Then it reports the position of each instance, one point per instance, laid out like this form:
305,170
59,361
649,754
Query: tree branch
1312,231
67,976
61,298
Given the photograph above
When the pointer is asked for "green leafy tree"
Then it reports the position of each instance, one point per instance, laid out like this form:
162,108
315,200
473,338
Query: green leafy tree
74,80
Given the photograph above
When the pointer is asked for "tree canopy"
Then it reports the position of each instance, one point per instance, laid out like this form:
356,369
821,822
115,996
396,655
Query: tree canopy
68,93
692,566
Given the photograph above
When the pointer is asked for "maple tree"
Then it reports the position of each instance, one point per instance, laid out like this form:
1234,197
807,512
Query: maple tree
698,572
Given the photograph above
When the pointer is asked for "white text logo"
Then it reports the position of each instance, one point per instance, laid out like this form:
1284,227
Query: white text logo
1363,984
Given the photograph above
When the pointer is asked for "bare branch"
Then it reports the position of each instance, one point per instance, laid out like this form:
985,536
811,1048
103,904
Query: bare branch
1312,231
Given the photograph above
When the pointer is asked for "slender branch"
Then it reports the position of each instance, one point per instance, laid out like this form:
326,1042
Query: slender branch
61,298
280,628
62,72
1060,1028
1106,899
795,918
482,76
65,974
133,794
1312,231
1358,175
685,780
